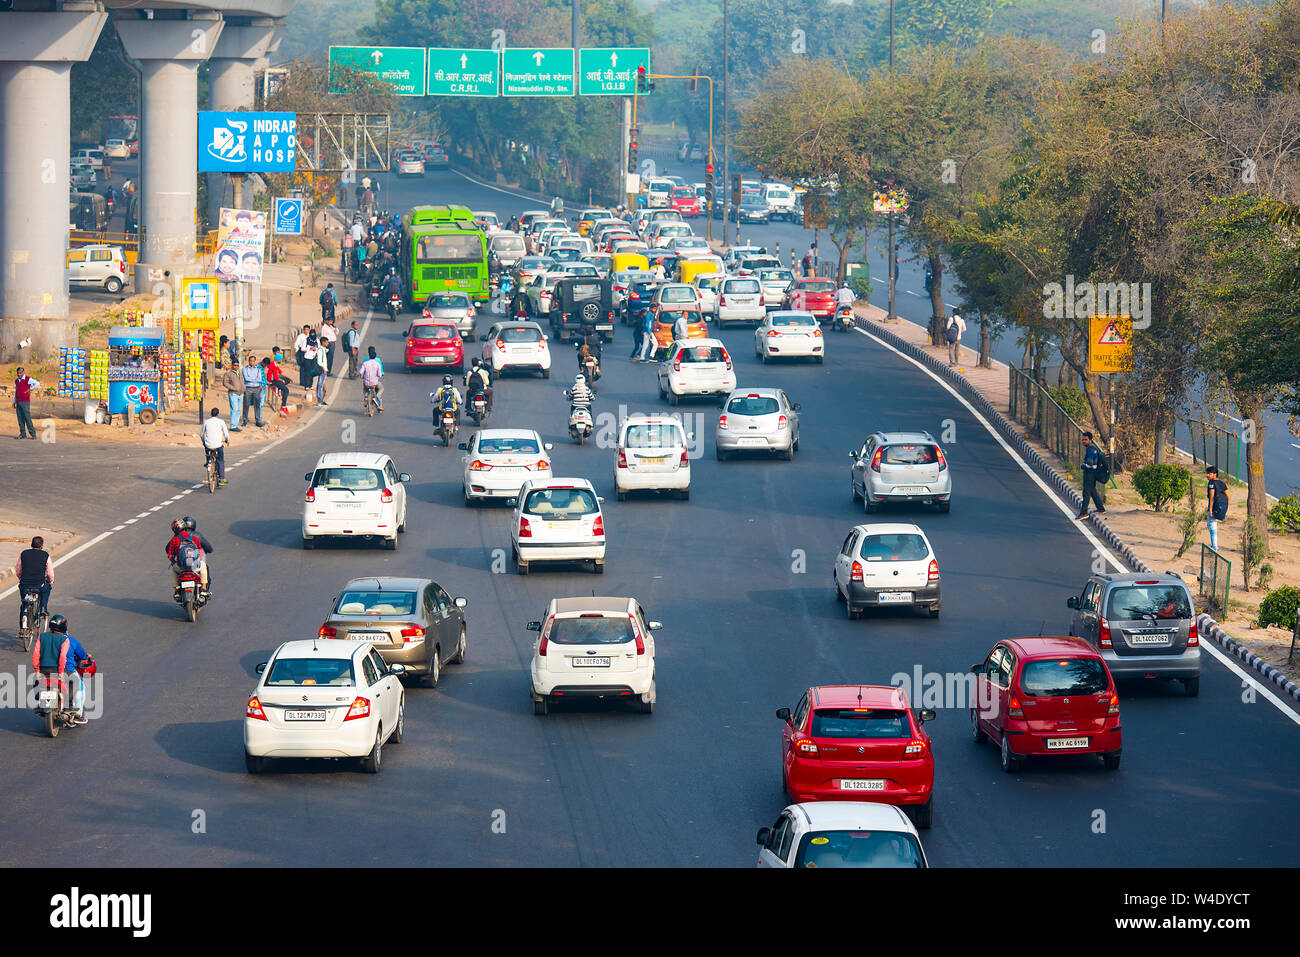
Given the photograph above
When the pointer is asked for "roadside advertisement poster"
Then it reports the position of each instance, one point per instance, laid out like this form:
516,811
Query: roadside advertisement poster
199,301
241,244
890,200
239,142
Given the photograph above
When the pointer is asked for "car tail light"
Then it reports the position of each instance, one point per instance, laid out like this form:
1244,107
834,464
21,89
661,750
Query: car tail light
360,709
677,364
386,495
773,332
1193,636
311,495
915,749
1013,708
524,530
722,421
943,461
501,345
782,422
875,459
598,526
636,634
684,462
428,314
478,465
546,640
933,573
727,359
121,266
541,465
541,344
622,457
817,332
856,573
254,709
1103,634
762,301
327,631
412,631
806,748
1112,706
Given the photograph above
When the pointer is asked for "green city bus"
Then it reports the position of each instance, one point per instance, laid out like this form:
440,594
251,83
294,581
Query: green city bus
443,251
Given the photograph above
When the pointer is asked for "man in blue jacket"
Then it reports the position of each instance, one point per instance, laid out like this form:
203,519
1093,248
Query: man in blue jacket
1095,469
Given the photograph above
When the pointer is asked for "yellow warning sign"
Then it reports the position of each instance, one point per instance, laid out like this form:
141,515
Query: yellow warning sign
1110,347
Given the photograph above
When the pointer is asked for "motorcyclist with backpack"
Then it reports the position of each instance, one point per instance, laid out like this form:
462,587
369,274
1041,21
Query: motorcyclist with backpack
589,345
447,398
187,550
478,380
57,652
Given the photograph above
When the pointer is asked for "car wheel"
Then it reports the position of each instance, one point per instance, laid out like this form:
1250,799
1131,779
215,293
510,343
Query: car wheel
622,496
1010,762
308,542
662,393
788,454
391,543
1192,686
923,814
720,455
763,357
647,704
254,765
684,494
869,506
459,657
839,595
1110,761
598,567
945,507
851,610
976,732
546,373
396,736
373,762
431,677
113,285
521,566
672,397
820,359
541,705
934,611
853,490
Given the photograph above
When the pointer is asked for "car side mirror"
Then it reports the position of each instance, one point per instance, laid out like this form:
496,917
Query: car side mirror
463,446
853,455
512,502
796,407
403,477
534,626
461,602
307,477
599,500
1072,602
783,714
548,446
654,625
396,668
925,715
764,835
261,667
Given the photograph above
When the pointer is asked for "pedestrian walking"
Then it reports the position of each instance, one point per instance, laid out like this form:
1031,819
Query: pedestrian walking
351,344
1095,469
323,371
232,380
300,354
1216,503
329,335
953,332
345,252
329,301
254,382
647,337
639,332
22,403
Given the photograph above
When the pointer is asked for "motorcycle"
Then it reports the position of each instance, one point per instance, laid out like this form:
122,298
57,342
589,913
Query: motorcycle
50,696
375,296
446,426
843,318
478,407
589,370
190,595
581,424
394,307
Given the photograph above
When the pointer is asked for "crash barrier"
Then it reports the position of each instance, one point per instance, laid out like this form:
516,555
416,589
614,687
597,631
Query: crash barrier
1212,445
1214,577
1033,406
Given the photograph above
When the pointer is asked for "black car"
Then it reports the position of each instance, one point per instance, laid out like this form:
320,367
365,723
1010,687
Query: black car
637,302
579,303
752,209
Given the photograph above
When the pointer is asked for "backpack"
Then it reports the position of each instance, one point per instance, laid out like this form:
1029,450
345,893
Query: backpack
952,334
1103,468
189,556
325,297
1220,507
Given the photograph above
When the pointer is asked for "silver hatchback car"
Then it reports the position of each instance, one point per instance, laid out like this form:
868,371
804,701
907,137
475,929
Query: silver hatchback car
900,467
456,307
758,420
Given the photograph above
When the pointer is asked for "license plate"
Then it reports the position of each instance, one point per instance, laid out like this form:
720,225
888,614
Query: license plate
862,784
652,458
909,490
188,586
1148,639
305,714
49,699
591,662
894,596
379,636
347,505
1062,744
752,442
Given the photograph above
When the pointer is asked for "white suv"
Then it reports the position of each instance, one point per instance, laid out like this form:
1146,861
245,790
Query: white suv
740,300
517,345
558,520
354,495
652,455
696,367
593,648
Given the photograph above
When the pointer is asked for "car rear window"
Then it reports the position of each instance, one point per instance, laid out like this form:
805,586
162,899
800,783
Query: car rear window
753,405
861,723
910,455
520,334
707,282
742,285
433,332
817,287
775,275
509,244
504,445
791,319
303,672
667,436
355,479
566,254
561,503
585,290
597,630
1128,603
702,354
677,294
756,264
1055,677
683,192
448,301
894,547
858,849
375,601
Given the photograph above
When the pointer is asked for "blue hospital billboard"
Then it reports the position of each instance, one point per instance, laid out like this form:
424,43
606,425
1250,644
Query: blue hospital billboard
238,142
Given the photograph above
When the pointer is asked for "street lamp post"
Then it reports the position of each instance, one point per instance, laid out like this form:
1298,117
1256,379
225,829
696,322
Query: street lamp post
890,264
726,127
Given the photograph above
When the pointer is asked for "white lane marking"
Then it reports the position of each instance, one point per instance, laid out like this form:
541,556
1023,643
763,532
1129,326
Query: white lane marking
1208,645
143,515
118,528
131,521
183,494
1294,446
508,192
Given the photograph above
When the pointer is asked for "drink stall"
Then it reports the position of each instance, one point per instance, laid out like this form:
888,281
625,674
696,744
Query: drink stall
135,359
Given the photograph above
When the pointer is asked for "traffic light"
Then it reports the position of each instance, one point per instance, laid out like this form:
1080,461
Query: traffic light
708,185
643,84
735,189
631,149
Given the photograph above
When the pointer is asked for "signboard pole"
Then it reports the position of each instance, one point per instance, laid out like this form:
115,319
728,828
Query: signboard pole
890,266
625,141
239,325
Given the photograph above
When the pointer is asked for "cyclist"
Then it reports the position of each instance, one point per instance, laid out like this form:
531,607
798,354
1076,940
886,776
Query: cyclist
35,571
214,434
372,374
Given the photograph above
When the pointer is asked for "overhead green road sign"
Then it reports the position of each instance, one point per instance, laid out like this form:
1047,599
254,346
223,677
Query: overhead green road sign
402,68
546,71
463,72
610,71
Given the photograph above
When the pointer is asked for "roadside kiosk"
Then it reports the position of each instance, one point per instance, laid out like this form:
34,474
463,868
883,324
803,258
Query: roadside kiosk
134,372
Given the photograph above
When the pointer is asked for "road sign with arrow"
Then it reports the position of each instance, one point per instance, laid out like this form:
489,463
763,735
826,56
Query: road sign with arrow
454,72
546,71
610,71
402,68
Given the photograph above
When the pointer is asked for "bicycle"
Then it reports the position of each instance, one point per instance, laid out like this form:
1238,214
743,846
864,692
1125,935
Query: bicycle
31,620
371,399
211,465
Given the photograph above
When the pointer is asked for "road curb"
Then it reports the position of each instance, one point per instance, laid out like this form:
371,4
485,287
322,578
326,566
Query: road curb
1208,625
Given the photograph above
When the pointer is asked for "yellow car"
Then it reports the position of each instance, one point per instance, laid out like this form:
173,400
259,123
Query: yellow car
588,217
663,328
625,262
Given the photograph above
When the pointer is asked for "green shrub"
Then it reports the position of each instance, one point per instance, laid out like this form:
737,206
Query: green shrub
1073,401
1285,515
1254,549
1160,484
1190,524
1279,607
1265,578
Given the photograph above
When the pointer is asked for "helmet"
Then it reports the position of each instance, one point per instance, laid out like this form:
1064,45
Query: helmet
446,380
59,623
476,363
178,526
580,379
191,523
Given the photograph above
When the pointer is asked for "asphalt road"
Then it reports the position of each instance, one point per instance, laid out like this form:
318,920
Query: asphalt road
740,577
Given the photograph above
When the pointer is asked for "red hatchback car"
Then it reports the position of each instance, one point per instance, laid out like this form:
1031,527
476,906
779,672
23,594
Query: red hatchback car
1046,696
858,743
812,295
434,343
684,200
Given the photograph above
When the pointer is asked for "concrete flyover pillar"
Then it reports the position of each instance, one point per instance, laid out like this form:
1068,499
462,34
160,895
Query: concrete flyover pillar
232,78
168,52
37,50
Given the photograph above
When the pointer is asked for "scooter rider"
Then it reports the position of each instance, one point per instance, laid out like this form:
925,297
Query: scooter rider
479,380
580,394
447,398
844,299
590,345
185,530
57,652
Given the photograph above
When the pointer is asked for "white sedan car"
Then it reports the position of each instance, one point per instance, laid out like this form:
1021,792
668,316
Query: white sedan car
593,648
652,455
354,495
517,345
499,461
558,520
789,333
841,834
324,699
696,367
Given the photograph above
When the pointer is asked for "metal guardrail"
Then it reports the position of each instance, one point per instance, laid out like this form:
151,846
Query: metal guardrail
1213,445
1033,406
1215,582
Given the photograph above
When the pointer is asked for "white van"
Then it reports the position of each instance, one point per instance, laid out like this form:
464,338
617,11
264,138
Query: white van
780,200
652,455
658,193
